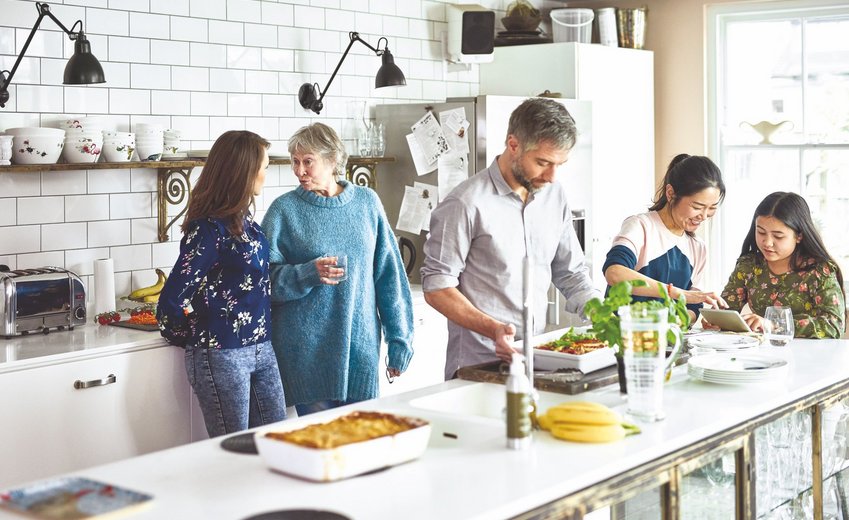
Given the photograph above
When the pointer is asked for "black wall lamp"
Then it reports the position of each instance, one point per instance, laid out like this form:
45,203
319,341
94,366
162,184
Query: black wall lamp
310,95
82,69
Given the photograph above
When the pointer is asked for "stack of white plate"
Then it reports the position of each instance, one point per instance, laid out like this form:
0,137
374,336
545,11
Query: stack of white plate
735,369
722,342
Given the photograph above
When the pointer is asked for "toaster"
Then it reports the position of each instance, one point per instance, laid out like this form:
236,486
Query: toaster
37,300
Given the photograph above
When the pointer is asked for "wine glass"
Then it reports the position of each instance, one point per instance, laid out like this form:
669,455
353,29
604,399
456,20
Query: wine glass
778,325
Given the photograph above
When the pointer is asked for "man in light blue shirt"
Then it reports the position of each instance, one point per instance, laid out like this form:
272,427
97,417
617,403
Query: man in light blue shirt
480,234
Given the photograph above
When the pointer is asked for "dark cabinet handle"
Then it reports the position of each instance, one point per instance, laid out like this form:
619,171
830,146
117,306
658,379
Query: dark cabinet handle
82,385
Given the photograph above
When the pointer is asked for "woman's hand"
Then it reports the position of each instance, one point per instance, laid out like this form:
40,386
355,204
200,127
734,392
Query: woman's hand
328,273
711,298
755,322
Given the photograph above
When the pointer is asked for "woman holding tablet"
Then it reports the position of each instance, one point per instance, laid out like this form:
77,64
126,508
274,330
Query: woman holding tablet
785,264
661,246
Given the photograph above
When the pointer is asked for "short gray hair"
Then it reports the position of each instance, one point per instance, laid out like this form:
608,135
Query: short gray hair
322,140
539,120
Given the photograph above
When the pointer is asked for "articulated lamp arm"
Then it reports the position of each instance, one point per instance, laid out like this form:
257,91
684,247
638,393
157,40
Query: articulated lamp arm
307,92
43,10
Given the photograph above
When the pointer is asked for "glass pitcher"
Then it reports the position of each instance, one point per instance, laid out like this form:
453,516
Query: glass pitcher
644,339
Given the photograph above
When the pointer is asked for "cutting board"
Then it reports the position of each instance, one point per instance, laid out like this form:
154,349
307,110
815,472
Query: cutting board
493,372
137,326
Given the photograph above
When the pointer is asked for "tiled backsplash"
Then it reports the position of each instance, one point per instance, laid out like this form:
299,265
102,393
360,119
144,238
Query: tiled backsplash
203,67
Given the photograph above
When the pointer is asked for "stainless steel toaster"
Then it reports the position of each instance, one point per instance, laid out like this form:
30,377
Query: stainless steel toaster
37,300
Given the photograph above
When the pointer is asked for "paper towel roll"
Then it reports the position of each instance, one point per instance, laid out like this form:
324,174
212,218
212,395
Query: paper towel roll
104,285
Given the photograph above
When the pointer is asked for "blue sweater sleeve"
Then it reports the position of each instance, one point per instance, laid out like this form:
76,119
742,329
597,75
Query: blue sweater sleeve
288,281
392,291
620,255
198,254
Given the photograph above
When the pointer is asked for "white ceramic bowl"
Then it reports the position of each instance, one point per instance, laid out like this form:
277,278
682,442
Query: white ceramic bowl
36,131
118,152
76,133
36,149
86,122
82,150
149,151
118,136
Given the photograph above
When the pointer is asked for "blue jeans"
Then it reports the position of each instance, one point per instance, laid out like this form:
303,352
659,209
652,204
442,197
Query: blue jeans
318,406
237,388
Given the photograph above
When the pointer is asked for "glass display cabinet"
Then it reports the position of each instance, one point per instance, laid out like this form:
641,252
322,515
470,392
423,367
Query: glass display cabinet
790,463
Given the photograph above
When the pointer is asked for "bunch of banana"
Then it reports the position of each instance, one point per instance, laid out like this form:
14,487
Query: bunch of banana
149,294
582,421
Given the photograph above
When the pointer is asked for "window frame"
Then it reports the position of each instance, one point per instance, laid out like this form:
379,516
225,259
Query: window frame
717,17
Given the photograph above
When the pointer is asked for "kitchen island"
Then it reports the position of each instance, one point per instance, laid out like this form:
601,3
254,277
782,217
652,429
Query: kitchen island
469,474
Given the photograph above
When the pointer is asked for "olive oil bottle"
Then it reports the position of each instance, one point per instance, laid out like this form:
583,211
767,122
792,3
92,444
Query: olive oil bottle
518,405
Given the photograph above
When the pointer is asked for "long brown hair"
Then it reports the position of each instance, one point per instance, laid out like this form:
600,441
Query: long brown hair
225,188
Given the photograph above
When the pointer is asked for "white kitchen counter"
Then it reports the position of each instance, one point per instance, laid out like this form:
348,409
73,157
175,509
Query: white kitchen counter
84,342
93,340
474,477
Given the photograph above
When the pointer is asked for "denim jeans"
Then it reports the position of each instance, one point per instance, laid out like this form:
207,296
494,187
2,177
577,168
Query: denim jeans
237,388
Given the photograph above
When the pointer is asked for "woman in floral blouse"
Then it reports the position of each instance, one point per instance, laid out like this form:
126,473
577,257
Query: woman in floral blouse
217,300
784,263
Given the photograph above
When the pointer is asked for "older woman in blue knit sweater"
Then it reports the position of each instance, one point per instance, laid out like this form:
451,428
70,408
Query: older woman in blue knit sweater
326,332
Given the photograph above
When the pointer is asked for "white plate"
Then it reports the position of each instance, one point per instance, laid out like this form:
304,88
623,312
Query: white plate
549,360
737,368
720,341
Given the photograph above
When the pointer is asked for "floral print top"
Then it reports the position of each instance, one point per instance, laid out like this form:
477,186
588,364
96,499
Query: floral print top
218,294
814,295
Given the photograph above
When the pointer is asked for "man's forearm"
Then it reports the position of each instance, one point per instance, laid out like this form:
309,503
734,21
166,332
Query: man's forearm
452,304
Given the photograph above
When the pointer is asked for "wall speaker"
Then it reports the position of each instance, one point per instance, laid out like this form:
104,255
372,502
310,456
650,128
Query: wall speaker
471,33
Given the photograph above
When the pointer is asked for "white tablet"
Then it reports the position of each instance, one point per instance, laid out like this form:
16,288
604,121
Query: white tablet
726,319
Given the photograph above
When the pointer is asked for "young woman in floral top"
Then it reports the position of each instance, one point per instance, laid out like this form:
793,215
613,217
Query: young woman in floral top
217,300
784,263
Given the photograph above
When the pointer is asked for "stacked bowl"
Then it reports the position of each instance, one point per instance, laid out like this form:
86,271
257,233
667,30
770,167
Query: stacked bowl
83,139
118,146
149,141
172,142
32,145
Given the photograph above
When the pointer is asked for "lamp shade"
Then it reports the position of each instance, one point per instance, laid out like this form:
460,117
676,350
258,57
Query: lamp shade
389,74
83,68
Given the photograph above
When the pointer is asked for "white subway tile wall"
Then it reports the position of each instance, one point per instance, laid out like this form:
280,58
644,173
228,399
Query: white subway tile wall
202,67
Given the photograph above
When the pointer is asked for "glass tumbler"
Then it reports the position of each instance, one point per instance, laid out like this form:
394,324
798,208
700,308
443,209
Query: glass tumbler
378,139
778,326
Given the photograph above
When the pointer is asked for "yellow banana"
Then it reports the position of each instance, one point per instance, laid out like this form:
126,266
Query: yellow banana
588,432
583,421
153,298
545,422
155,289
580,405
583,416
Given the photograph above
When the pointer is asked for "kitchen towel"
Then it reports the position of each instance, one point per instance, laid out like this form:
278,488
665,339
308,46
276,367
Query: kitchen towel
104,285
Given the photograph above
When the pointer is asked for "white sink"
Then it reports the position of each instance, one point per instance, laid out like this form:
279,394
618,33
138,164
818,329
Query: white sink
488,400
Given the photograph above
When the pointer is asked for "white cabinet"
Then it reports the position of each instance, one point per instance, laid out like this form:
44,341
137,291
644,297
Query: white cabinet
620,85
428,364
51,427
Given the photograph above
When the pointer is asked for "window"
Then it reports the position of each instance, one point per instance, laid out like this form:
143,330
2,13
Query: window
779,117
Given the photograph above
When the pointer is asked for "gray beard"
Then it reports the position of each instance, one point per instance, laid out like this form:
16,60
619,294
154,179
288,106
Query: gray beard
521,178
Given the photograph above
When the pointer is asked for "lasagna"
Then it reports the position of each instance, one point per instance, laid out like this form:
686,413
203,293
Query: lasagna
348,429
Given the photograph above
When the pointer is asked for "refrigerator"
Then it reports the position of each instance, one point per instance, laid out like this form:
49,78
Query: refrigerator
488,117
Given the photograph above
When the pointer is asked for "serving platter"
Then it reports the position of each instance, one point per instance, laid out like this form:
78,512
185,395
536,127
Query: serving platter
550,360
347,460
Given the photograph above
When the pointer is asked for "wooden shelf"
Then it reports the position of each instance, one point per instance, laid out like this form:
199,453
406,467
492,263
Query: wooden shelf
173,178
181,163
